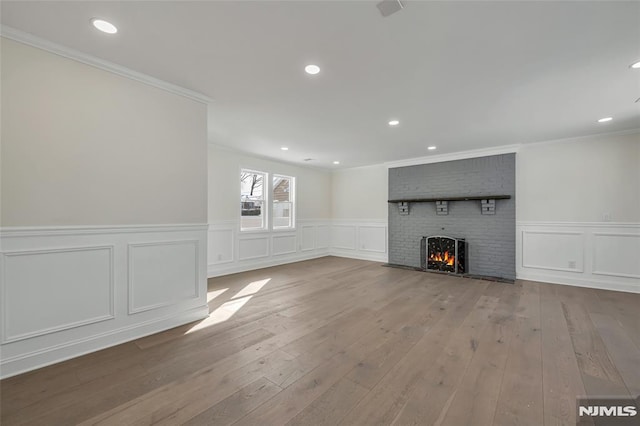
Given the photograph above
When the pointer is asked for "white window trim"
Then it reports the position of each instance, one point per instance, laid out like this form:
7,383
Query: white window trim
293,201
266,190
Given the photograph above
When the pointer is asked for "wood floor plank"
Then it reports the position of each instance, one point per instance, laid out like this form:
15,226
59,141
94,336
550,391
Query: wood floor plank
599,374
443,376
183,400
297,396
346,341
561,379
623,352
386,399
232,408
475,399
521,400
331,406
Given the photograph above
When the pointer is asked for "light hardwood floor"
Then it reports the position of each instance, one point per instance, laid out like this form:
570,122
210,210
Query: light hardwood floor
341,341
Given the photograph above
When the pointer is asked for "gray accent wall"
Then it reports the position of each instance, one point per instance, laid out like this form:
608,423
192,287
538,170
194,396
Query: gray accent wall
491,238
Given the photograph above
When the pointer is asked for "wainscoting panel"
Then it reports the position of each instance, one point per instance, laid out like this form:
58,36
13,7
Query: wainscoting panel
372,238
565,250
616,255
599,255
162,274
283,244
308,237
67,291
253,247
323,236
343,237
221,245
360,239
82,294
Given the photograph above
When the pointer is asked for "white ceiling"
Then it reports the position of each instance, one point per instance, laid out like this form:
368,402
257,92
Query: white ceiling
459,75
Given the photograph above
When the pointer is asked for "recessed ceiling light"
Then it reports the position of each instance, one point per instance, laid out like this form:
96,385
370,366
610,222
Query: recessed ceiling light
635,66
284,148
336,162
104,26
394,123
431,148
312,69
604,120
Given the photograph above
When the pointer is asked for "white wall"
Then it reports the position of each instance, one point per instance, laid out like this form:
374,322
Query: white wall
580,180
343,213
578,212
233,251
104,207
360,193
81,146
313,186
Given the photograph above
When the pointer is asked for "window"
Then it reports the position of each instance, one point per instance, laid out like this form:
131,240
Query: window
252,200
283,202
255,212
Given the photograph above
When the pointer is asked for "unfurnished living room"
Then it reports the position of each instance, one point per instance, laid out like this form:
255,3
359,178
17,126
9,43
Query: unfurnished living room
394,212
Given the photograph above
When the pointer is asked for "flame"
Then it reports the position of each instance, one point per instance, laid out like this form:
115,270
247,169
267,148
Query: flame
445,257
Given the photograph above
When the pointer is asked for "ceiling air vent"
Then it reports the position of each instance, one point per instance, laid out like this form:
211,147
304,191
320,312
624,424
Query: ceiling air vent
387,7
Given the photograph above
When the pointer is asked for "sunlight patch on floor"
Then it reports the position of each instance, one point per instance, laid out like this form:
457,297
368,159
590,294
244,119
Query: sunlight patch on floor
223,313
251,288
215,293
228,309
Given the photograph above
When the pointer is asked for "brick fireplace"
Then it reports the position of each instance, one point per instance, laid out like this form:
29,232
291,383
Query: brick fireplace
460,206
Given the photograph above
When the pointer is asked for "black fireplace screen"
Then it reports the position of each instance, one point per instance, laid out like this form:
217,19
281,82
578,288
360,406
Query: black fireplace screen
444,254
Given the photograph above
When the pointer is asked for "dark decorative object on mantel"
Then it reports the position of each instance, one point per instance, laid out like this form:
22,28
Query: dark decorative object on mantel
444,254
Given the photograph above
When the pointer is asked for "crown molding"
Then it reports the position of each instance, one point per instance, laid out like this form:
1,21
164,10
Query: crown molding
583,137
462,155
66,52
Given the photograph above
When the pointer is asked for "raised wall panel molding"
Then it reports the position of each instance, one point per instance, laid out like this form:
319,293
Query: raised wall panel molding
283,244
66,291
323,236
41,231
31,272
610,252
372,238
538,256
344,237
221,245
157,280
308,237
313,238
621,258
255,247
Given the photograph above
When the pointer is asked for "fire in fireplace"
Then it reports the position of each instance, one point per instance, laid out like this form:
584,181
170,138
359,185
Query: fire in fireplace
445,254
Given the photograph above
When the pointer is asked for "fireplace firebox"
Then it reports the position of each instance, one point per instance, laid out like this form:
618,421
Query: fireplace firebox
444,254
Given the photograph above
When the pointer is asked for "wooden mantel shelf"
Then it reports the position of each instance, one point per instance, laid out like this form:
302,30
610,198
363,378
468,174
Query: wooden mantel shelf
470,198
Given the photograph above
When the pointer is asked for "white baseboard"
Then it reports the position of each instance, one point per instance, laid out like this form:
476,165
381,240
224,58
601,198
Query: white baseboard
375,257
67,291
244,266
72,349
232,251
579,282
